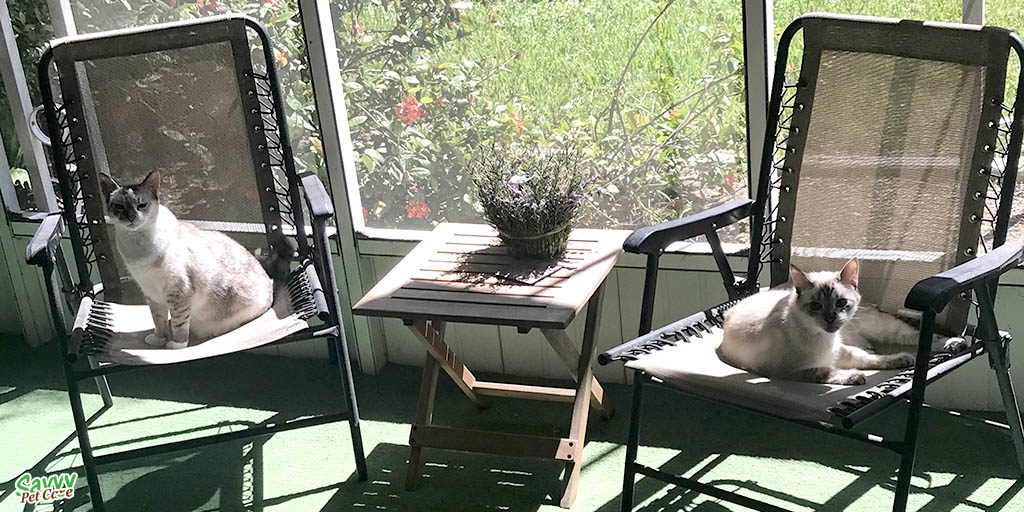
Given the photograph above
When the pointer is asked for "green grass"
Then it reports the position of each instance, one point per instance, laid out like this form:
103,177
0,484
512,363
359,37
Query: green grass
573,52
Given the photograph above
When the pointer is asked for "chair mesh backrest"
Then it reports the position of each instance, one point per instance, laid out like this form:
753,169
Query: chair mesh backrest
168,111
192,100
889,132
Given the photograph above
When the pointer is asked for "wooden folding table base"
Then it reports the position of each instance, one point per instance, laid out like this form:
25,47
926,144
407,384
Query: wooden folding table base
569,449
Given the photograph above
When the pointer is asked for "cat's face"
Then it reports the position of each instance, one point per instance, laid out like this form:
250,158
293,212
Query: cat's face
131,207
829,299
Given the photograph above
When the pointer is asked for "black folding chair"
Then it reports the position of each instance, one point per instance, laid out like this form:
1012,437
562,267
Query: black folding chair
200,102
893,145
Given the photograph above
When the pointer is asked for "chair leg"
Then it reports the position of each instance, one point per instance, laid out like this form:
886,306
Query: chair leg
997,359
348,386
82,430
632,445
909,451
101,384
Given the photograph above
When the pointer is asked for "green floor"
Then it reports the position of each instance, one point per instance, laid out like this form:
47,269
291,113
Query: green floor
962,466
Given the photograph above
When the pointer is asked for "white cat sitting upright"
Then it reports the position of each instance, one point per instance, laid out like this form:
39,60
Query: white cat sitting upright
817,331
195,281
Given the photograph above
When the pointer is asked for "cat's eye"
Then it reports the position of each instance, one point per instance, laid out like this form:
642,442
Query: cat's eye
142,206
841,303
815,306
116,207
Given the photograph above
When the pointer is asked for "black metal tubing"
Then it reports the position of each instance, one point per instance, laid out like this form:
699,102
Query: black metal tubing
632,442
1013,159
249,432
924,349
286,145
650,288
60,165
728,279
654,239
74,393
767,152
322,251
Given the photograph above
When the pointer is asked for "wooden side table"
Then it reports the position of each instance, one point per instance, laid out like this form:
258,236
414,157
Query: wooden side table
452,277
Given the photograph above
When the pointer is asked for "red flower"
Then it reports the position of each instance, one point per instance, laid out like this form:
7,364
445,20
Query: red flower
355,28
519,122
730,181
410,110
417,209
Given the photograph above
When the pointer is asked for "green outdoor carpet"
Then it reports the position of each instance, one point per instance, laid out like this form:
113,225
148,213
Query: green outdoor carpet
962,465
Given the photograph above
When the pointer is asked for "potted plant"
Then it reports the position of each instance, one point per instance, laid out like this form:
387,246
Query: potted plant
532,196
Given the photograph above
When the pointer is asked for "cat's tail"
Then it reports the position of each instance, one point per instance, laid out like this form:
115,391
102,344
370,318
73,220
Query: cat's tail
278,262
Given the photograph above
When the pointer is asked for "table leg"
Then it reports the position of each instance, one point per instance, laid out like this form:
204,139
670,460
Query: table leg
560,342
424,416
432,336
581,406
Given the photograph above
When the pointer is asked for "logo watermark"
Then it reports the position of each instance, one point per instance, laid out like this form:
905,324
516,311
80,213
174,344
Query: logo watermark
45,489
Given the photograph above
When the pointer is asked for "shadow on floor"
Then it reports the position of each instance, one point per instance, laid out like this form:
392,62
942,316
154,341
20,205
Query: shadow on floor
704,438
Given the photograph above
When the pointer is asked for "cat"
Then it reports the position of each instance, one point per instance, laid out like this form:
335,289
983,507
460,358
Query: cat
817,331
197,283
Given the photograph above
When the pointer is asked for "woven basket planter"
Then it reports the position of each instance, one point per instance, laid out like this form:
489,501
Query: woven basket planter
546,246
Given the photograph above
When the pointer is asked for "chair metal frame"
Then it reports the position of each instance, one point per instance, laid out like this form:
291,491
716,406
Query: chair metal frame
281,204
978,275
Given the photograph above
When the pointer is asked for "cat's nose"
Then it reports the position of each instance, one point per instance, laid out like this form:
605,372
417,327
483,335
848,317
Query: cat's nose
830,317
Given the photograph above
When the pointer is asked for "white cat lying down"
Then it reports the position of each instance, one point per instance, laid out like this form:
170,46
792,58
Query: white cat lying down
817,331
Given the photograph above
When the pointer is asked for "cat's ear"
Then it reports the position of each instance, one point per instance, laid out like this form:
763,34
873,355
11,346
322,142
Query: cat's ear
799,279
107,185
850,273
152,182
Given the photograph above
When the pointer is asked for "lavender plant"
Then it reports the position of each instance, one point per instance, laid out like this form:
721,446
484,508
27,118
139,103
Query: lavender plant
532,195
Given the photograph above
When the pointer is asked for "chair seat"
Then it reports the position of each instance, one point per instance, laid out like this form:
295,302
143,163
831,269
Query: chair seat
115,333
693,366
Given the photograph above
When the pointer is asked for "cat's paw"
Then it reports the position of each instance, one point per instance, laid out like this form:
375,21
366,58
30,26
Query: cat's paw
155,340
955,345
847,378
901,360
176,344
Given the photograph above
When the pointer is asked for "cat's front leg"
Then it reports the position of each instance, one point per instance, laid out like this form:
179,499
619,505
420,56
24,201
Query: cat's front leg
858,358
161,328
180,305
832,376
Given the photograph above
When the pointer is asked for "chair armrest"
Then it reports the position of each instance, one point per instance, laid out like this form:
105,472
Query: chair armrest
43,245
654,239
933,293
317,199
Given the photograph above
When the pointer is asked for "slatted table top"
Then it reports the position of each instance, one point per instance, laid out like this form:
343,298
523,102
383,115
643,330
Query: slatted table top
452,276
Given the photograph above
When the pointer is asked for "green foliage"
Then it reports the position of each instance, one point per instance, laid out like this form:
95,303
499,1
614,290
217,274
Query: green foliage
532,195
